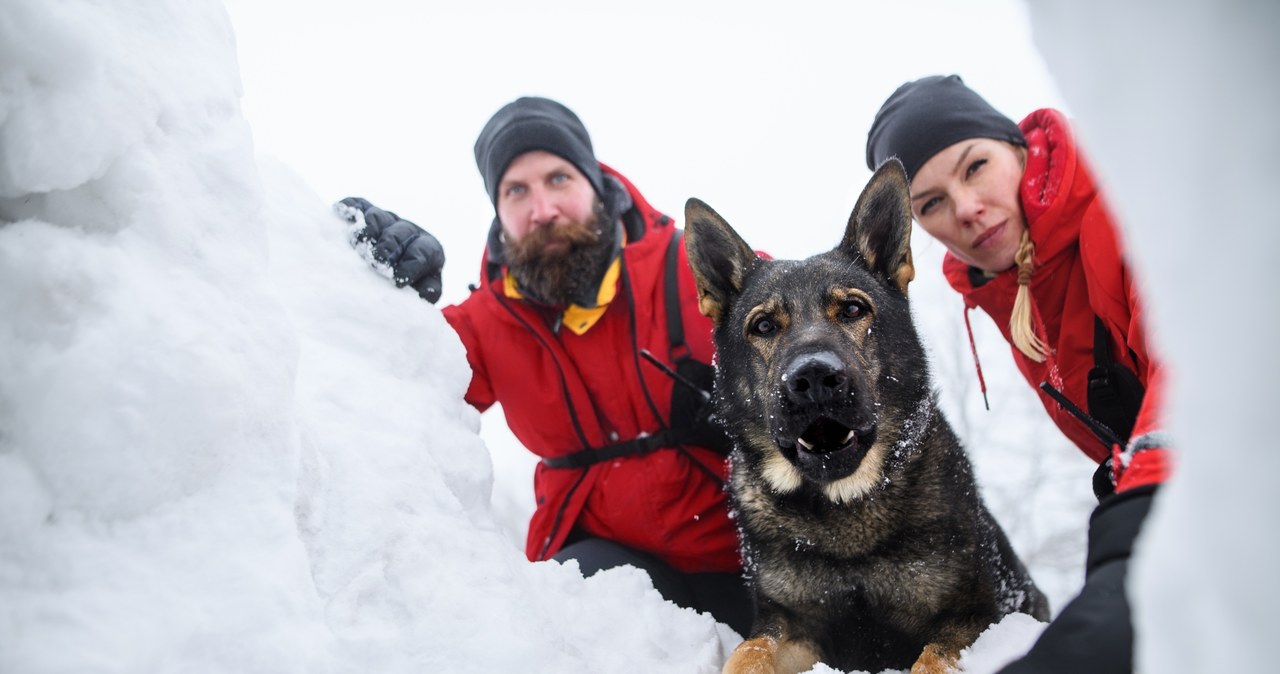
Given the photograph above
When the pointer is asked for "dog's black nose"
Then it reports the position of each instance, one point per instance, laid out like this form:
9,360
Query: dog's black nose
816,378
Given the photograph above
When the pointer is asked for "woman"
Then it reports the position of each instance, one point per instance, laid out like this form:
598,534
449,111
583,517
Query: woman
1032,243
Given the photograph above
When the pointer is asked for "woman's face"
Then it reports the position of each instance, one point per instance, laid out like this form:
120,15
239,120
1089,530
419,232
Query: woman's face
966,197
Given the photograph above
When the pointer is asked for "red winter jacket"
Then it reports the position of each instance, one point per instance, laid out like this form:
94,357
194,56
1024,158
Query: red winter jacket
562,392
1080,272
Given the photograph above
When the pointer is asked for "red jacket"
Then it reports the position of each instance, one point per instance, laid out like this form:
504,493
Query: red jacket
1080,272
563,392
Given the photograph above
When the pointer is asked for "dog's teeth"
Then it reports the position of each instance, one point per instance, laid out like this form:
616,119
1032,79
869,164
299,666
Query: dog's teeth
802,443
848,438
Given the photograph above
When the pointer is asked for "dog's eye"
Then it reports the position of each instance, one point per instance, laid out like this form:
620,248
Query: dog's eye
763,326
851,310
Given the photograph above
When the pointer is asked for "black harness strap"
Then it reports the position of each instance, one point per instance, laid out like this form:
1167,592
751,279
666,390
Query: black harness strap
675,324
681,355
648,443
1104,433
1114,397
594,455
691,409
1115,393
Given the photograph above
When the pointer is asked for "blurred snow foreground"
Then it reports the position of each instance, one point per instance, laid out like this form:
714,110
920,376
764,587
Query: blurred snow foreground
224,444
1183,128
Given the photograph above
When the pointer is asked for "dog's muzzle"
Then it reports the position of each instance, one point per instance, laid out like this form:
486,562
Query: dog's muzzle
820,429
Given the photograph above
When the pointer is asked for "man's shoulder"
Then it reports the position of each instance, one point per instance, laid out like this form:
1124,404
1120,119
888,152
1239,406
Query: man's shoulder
651,248
481,298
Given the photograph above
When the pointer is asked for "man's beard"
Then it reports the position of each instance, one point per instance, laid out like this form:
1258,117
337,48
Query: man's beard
568,273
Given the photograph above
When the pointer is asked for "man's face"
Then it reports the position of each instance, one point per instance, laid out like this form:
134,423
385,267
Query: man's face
541,190
552,219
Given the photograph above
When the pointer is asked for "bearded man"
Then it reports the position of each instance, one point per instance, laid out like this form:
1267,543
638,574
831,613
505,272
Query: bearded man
586,329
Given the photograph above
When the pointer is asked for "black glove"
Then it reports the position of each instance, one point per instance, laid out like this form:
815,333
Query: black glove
1094,633
414,256
691,416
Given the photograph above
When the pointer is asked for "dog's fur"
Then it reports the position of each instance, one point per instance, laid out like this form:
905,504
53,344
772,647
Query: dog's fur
870,548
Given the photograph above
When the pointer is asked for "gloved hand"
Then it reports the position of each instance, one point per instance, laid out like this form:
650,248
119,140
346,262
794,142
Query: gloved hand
1094,632
413,256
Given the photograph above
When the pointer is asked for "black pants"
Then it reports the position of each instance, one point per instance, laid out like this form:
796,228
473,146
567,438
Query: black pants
723,595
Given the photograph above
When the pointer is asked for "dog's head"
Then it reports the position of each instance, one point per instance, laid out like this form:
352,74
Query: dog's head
819,369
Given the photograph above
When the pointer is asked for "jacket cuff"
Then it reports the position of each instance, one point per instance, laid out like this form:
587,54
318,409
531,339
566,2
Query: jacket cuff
1115,524
1144,462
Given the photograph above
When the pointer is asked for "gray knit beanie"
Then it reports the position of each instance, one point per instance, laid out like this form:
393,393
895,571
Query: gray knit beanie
528,124
926,116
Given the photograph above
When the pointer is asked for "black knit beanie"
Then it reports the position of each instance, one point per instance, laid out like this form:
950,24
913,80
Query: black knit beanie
926,116
528,124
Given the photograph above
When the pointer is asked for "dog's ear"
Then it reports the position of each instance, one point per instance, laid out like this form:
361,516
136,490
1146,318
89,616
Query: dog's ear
879,229
719,257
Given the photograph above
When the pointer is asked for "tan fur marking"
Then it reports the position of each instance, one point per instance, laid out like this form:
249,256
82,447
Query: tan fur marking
863,481
868,251
754,656
906,273
846,294
773,308
795,657
781,474
766,655
936,660
837,297
767,347
708,306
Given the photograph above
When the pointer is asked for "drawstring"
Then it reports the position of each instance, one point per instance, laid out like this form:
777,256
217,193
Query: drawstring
973,348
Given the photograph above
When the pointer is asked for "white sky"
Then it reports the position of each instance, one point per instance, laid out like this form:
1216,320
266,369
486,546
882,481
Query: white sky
759,112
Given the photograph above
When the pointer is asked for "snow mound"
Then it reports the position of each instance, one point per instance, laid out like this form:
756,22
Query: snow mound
224,444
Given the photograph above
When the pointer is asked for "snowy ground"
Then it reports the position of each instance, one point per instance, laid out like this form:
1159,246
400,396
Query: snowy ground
226,445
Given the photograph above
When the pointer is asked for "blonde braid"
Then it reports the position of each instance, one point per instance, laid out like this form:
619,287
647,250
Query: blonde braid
1020,324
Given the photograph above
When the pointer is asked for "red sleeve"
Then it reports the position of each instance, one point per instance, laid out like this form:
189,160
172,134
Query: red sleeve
479,392
1146,460
1148,457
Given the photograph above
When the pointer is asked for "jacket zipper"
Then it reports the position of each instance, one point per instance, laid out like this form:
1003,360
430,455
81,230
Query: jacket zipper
558,520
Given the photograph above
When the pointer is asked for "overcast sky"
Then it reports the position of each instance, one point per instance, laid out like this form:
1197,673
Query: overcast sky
759,112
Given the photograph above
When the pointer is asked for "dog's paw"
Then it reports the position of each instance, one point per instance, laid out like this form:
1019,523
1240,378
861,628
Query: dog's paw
936,660
753,656
766,655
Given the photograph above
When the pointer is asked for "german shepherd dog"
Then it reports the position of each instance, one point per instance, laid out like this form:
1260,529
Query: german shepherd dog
864,536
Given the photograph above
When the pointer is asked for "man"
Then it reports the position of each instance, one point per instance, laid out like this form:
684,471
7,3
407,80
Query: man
585,283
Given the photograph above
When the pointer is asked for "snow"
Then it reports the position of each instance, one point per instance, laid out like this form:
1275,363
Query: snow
1186,134
227,445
